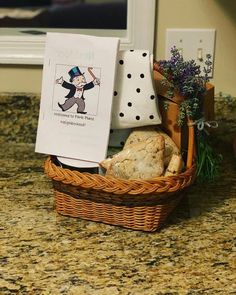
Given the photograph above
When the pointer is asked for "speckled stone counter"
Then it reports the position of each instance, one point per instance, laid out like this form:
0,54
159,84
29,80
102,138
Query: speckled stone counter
42,252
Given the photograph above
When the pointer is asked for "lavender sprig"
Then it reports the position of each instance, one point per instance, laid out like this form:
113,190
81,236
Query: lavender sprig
185,77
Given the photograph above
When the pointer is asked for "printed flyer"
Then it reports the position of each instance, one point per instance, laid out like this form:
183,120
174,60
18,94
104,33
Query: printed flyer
76,99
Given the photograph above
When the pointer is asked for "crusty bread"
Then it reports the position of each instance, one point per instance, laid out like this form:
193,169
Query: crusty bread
142,160
142,133
175,166
106,163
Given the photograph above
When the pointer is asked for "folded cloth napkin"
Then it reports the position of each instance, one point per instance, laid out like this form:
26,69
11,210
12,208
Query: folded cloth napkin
118,137
135,100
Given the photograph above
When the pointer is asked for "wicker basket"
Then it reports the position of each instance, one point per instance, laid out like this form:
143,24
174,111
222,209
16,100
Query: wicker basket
136,204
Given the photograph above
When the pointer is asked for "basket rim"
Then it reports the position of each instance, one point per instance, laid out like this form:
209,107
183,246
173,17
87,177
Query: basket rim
110,184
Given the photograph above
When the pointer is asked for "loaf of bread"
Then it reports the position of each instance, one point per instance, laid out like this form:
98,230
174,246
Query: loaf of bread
142,133
141,160
175,165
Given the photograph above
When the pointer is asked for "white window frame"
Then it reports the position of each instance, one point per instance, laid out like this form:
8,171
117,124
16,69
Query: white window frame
20,48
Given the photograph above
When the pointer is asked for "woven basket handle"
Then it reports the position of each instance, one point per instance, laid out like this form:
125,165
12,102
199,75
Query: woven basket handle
191,135
191,144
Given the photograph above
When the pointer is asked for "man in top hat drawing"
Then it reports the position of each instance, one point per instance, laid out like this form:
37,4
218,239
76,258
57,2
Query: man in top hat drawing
77,87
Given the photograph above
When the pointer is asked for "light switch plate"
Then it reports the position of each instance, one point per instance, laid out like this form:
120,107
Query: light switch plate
192,44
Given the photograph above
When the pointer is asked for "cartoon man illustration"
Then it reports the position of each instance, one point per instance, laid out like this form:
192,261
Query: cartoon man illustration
77,86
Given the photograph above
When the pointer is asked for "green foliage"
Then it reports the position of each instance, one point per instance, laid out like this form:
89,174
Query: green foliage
208,161
185,78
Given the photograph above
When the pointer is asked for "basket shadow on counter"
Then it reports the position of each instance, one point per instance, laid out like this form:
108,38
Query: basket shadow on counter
203,198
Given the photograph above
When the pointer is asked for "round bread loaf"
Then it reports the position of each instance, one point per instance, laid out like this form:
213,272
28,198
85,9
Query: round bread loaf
142,133
141,160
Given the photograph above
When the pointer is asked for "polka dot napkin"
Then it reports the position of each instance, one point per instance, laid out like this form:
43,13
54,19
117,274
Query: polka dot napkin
118,137
135,100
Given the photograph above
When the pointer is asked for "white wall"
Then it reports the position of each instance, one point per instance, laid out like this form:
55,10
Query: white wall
218,14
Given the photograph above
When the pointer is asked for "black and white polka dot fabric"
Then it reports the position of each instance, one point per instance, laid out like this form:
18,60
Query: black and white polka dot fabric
135,101
118,137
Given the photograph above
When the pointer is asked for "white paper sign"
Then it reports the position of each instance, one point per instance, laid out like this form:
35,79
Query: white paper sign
76,98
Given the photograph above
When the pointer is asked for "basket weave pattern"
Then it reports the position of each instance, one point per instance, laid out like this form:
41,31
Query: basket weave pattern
137,204
146,218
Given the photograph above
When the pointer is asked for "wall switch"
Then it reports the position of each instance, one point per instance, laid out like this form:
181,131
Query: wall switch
192,44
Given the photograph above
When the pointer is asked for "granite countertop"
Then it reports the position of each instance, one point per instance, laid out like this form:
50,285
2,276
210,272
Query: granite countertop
42,252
